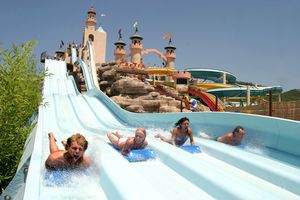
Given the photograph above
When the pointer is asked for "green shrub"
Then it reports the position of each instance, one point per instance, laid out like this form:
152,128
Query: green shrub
170,84
20,96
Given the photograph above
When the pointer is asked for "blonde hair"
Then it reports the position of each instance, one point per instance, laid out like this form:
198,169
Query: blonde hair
143,130
80,139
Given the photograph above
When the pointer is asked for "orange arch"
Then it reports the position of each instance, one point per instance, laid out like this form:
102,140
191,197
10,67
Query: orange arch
162,56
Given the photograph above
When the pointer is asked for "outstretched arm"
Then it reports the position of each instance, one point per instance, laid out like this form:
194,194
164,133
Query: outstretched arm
126,148
191,137
52,162
145,144
173,137
86,162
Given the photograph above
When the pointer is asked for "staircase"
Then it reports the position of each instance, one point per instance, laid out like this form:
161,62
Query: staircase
79,80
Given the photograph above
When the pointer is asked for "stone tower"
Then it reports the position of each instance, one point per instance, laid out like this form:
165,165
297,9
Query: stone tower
60,53
96,36
136,46
119,51
170,55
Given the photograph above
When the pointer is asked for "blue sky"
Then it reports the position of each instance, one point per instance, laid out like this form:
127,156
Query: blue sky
256,40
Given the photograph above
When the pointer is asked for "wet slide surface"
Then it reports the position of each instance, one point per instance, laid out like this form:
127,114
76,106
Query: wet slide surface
219,172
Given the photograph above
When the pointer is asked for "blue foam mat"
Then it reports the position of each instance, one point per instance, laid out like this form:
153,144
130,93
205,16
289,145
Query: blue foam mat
138,155
191,148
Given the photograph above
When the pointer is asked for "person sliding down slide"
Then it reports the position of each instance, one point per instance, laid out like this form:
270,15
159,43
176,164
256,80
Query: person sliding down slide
193,104
180,133
130,143
71,158
233,138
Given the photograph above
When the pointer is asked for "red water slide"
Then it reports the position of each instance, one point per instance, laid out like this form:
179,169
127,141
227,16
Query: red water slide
209,99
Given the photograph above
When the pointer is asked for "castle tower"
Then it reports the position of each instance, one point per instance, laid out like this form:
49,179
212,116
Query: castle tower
136,46
96,36
120,51
170,55
60,54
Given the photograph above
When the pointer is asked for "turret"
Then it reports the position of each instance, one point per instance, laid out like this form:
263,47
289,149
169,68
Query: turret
119,51
91,20
170,55
96,36
136,46
60,54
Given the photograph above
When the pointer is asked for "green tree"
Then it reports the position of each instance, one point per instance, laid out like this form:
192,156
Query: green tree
291,95
20,96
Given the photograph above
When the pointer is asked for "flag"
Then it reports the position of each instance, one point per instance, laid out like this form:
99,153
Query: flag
62,43
43,56
135,25
120,35
167,36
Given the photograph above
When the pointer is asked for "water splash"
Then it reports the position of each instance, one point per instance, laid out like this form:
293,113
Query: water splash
72,185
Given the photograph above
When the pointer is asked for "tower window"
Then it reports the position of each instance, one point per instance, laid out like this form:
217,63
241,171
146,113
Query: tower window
181,81
91,37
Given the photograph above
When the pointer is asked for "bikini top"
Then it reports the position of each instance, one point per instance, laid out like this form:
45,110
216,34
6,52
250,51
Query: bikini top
180,140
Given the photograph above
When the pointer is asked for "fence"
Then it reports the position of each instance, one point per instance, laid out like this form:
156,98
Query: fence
288,109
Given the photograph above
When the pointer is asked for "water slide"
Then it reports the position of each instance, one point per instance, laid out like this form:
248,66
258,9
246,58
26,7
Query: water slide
241,91
266,167
93,64
209,99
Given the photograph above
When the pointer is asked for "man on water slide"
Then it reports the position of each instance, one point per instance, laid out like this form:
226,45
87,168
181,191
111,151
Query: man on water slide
234,138
72,157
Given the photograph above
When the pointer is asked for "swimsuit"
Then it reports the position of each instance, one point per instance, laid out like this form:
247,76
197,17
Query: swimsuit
180,140
122,140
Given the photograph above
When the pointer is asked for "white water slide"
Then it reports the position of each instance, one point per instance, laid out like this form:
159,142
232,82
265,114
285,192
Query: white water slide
267,167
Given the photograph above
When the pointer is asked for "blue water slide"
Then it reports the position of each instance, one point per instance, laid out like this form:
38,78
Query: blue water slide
267,166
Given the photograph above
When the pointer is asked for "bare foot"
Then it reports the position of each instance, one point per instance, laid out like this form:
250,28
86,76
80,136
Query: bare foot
51,136
64,142
204,135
